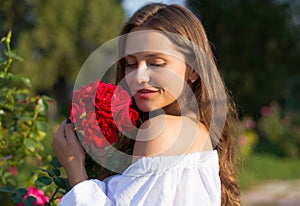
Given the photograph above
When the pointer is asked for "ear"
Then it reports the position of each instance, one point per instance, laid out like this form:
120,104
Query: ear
192,75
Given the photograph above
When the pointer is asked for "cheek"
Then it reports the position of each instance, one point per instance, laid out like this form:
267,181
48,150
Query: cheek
128,77
127,80
173,82
175,89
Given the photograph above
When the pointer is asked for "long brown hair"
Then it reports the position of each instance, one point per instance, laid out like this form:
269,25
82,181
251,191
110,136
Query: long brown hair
179,20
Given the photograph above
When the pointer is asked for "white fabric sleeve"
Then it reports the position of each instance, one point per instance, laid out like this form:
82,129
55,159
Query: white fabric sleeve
87,193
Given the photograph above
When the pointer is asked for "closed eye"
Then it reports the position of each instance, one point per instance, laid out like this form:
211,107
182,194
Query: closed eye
158,65
131,66
163,64
131,62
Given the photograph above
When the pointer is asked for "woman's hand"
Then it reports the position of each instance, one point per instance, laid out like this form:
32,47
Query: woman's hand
70,153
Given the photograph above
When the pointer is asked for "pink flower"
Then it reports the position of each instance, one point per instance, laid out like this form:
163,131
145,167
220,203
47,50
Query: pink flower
41,199
265,111
250,124
13,171
242,141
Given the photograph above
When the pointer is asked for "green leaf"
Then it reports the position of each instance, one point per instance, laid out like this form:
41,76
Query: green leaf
10,97
7,174
15,198
41,106
56,171
42,126
13,55
55,163
12,181
62,192
25,118
26,81
2,75
22,93
42,181
21,191
40,145
7,189
49,172
29,144
14,77
60,182
29,200
41,134
8,106
46,101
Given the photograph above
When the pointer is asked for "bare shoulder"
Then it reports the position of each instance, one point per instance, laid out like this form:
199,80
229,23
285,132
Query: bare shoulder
169,135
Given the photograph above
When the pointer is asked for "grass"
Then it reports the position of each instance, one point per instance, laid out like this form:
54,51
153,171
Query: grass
262,167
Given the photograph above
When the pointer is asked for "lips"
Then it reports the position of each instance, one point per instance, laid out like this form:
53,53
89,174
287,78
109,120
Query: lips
145,93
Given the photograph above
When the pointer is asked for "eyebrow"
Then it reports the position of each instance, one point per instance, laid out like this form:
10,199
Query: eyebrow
149,55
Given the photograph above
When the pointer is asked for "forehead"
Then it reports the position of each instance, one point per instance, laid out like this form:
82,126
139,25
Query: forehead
150,41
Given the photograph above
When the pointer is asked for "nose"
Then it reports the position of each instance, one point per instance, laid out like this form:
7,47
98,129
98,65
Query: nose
142,75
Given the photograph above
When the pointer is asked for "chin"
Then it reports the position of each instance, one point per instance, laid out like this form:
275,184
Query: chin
145,108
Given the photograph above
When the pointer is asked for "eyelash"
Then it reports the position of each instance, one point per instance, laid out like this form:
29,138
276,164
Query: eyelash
130,65
151,65
158,65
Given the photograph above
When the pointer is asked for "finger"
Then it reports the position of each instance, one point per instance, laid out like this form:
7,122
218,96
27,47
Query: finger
69,131
61,130
59,139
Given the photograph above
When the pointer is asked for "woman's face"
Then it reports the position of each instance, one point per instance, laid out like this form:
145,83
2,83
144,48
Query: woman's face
154,71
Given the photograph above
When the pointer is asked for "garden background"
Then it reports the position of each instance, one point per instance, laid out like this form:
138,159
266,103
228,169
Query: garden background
256,43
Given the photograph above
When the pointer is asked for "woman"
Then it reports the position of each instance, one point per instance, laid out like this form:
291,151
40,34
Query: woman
183,153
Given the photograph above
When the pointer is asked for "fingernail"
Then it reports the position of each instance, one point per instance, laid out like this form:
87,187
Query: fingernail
68,121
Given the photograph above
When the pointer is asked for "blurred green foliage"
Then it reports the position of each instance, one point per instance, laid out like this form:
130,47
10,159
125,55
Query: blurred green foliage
23,119
256,45
248,138
57,37
23,124
23,127
280,131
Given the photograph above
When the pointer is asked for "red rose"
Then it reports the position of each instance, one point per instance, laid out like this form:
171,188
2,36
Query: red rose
103,99
134,116
89,91
109,130
77,109
101,111
124,116
98,134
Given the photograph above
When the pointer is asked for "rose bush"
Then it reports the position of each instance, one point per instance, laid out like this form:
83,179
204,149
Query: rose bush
280,130
23,126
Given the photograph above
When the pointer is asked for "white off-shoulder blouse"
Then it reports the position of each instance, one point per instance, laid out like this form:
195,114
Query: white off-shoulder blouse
187,179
